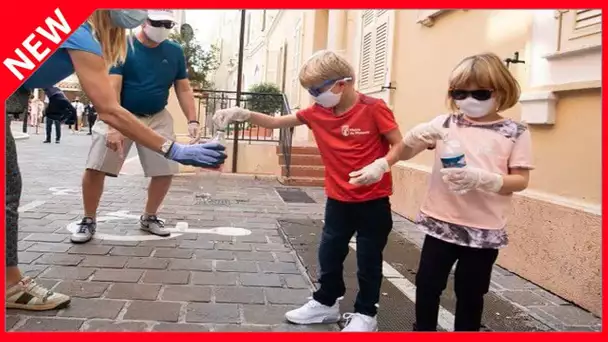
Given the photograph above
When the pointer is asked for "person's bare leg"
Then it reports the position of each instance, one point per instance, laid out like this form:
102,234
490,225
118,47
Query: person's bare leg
157,190
92,189
13,275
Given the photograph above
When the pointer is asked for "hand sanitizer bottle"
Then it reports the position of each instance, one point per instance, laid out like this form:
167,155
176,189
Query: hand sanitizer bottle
206,178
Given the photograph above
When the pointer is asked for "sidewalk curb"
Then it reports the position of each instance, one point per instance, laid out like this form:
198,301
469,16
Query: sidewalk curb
20,135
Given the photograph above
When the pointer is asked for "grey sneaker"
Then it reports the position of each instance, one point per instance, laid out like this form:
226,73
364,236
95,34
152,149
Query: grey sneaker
85,232
153,225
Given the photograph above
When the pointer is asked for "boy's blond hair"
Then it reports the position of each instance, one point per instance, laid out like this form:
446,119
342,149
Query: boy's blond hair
486,71
325,65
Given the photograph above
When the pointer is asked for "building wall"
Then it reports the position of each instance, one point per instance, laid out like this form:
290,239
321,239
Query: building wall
564,197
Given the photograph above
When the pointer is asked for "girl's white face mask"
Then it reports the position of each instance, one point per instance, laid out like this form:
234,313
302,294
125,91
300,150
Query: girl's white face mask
476,108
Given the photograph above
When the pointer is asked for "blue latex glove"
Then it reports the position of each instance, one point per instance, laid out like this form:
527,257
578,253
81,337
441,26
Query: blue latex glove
207,155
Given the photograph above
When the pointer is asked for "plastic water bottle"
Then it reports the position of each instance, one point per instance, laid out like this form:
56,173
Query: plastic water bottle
206,179
452,155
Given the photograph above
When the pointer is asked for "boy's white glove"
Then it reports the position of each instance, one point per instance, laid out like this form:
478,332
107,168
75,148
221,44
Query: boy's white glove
463,179
370,174
222,118
425,133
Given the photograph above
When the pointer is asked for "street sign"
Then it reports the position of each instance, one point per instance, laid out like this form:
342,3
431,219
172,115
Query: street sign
186,32
179,229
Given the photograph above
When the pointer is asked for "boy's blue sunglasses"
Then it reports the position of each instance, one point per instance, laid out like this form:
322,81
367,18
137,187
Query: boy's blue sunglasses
316,91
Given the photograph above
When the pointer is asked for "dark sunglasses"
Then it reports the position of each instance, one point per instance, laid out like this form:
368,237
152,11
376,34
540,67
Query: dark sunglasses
162,23
480,94
316,91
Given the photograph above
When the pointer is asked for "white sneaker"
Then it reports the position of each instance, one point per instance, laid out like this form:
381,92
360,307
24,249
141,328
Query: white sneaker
314,312
356,322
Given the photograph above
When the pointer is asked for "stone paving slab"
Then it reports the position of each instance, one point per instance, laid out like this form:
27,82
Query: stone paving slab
188,282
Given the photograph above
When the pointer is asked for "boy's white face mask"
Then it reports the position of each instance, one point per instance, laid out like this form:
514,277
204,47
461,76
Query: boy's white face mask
328,99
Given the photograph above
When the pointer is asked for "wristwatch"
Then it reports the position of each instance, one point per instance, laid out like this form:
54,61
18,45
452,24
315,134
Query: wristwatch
166,147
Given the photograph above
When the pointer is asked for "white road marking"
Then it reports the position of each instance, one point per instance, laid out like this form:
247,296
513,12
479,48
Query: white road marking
180,229
445,318
30,206
63,191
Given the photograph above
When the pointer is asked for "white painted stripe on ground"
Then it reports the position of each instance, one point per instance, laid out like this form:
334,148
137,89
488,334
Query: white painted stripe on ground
445,318
30,206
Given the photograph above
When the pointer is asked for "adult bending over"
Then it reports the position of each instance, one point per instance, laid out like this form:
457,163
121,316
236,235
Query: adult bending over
96,45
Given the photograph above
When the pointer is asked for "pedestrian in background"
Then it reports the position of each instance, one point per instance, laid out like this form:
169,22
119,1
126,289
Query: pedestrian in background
91,115
79,112
58,109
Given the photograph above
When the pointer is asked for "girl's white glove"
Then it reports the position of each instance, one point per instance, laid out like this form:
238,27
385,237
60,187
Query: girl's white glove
464,179
426,133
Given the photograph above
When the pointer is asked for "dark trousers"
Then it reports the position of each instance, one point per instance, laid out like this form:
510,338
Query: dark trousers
471,283
372,222
91,119
49,126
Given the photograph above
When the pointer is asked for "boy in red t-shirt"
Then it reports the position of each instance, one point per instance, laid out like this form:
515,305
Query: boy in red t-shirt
353,132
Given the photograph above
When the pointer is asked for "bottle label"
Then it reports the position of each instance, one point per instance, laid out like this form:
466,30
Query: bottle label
457,161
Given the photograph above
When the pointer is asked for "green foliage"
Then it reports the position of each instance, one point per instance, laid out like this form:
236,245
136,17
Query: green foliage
263,102
199,61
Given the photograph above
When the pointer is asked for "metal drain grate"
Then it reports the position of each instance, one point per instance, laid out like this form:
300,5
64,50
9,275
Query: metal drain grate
294,195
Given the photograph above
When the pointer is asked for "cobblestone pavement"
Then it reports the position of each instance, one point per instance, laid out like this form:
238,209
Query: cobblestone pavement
196,281
190,282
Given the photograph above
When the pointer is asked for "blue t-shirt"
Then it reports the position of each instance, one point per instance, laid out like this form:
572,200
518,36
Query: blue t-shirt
148,74
59,65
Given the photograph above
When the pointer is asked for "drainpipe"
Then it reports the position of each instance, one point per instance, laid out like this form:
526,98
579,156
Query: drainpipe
239,79
336,31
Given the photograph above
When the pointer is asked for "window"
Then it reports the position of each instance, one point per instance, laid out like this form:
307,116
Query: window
375,49
248,23
294,94
579,29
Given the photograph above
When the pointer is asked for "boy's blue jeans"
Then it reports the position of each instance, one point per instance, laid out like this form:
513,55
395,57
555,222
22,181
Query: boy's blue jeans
372,222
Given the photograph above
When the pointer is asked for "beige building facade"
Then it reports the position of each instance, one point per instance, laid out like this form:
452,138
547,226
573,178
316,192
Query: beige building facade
405,58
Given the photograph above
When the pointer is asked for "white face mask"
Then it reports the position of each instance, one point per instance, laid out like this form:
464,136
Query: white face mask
328,99
475,108
157,34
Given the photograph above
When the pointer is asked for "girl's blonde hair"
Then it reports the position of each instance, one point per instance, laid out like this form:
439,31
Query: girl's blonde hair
486,71
113,39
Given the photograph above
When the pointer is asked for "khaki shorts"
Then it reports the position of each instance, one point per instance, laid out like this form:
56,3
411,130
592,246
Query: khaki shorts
154,164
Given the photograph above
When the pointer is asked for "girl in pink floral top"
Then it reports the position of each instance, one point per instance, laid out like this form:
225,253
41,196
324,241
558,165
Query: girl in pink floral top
464,212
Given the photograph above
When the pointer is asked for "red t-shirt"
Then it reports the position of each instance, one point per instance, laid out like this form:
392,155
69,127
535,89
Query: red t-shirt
350,142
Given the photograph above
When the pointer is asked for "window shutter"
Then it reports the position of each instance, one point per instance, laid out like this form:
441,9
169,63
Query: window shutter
272,68
381,48
373,64
579,29
367,50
